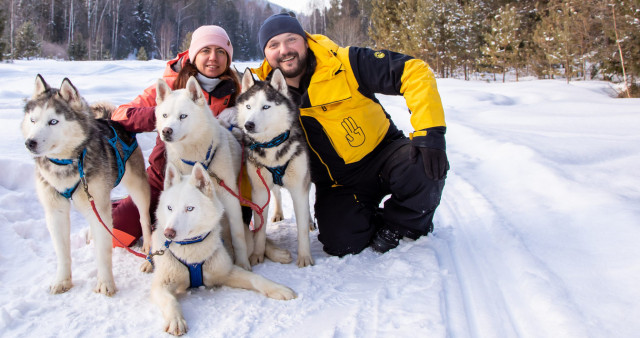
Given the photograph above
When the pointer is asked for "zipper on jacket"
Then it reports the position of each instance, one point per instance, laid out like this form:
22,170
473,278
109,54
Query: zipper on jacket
335,184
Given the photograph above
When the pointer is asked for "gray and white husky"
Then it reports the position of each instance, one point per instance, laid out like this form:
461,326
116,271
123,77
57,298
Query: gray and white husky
277,152
189,233
78,156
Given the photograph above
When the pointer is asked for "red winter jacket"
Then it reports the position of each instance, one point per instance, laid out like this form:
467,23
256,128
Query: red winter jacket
139,115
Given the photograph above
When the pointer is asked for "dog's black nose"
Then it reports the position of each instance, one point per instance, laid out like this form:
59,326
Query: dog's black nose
250,126
169,233
31,144
167,132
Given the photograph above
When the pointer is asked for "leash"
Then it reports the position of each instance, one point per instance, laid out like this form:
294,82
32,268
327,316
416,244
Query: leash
95,211
259,210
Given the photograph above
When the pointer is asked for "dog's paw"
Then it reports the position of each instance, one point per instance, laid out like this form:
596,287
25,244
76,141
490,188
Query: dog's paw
312,225
245,265
304,260
60,286
279,255
176,326
107,288
256,259
280,292
277,217
146,267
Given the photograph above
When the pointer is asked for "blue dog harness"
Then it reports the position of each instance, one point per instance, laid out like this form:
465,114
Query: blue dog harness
276,172
121,160
207,160
196,277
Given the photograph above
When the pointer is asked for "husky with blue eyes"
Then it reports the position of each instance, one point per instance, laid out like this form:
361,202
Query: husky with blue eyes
189,252
80,158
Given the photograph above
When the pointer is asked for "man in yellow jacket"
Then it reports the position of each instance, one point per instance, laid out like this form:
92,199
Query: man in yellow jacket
358,156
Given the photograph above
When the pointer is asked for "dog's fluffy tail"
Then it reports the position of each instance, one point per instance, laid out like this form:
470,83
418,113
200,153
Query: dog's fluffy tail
102,110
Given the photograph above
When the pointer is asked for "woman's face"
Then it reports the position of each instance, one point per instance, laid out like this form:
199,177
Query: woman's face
211,61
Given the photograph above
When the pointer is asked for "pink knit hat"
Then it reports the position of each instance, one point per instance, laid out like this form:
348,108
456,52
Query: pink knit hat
209,35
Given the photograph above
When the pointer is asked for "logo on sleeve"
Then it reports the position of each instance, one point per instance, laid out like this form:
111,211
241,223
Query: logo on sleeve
379,55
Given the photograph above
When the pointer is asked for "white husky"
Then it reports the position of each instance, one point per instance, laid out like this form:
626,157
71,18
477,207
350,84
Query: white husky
78,156
277,152
189,214
193,135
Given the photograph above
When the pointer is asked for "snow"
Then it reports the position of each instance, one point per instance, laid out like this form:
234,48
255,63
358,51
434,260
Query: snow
536,235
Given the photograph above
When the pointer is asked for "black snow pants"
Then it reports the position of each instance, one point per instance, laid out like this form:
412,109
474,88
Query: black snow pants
349,216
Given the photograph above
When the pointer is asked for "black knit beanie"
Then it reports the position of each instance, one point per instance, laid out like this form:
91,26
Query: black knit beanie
278,24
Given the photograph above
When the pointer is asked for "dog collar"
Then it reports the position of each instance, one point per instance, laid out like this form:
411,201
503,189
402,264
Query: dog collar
207,160
188,241
276,141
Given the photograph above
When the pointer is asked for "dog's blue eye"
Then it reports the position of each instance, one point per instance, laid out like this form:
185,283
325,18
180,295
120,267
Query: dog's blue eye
190,208
248,107
183,116
266,106
53,122
169,207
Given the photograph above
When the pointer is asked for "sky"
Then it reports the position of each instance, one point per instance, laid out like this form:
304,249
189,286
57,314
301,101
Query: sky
536,234
299,6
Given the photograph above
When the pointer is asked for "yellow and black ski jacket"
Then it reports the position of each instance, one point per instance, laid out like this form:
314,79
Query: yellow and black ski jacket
344,123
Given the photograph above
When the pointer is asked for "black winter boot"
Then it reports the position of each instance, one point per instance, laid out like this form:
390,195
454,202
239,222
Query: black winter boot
385,239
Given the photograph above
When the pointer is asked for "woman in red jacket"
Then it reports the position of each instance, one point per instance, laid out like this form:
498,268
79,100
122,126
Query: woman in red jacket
208,59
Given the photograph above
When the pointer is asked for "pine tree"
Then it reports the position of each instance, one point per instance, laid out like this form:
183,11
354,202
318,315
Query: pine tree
628,29
502,42
2,43
142,55
77,49
27,44
142,34
556,36
186,42
385,22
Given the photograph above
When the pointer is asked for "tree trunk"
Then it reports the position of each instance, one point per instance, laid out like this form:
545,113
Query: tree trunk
615,29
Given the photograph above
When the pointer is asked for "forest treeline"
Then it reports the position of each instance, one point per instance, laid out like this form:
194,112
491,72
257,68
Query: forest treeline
573,39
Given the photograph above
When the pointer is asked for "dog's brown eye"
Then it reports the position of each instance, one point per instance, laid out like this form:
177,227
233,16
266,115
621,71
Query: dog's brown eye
169,207
164,115
248,106
266,106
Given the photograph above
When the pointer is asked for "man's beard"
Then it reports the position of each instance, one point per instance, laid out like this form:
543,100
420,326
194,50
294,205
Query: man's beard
299,66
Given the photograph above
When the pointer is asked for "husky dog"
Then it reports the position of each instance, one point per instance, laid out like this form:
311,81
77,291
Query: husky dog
78,156
193,135
276,151
189,214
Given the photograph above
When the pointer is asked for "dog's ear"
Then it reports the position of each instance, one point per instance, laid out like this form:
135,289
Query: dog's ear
279,83
68,91
41,86
247,80
162,91
194,90
171,176
200,179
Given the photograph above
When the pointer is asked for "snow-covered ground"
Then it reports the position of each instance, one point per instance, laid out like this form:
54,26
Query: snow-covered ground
537,234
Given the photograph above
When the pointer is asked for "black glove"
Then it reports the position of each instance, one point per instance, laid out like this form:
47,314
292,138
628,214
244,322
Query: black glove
434,159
